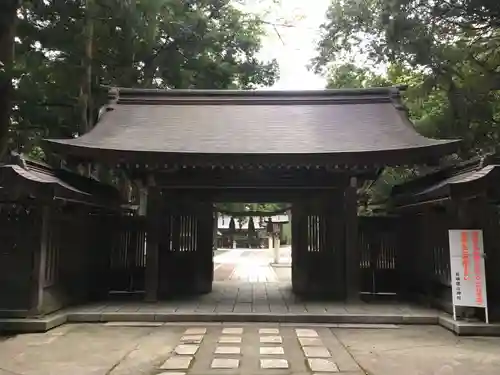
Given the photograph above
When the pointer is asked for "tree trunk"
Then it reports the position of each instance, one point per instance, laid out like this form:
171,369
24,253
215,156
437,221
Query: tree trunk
86,85
149,74
8,21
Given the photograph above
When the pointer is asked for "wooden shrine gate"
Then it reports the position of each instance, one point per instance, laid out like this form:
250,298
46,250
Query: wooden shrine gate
378,242
318,240
185,245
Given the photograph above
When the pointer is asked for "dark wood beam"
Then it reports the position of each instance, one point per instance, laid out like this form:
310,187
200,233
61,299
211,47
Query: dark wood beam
418,207
222,178
247,195
255,213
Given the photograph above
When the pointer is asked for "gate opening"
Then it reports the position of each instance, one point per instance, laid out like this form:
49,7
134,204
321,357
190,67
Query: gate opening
252,243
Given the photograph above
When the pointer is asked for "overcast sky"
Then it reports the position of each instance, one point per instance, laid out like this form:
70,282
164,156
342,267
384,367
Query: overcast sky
297,44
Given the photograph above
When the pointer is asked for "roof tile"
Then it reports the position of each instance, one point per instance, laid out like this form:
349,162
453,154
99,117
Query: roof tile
249,123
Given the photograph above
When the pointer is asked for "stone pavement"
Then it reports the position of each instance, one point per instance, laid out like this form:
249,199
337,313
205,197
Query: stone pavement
246,282
252,265
247,349
256,298
249,290
421,350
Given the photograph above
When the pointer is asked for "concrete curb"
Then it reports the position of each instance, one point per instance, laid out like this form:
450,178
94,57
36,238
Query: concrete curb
33,325
253,317
44,324
468,328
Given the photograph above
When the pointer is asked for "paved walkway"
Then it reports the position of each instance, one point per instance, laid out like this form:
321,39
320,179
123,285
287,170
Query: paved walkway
277,299
246,282
252,265
249,349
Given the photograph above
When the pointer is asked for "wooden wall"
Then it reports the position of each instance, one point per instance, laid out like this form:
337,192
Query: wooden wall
51,257
20,235
67,272
425,253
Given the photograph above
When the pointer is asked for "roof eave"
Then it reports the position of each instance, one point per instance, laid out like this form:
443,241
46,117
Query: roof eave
387,157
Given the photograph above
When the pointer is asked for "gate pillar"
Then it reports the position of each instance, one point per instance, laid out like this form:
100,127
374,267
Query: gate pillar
352,249
153,219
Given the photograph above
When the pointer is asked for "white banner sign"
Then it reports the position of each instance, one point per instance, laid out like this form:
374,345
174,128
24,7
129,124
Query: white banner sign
467,268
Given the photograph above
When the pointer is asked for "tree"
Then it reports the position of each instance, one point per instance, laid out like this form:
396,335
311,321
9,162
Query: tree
349,76
450,46
8,20
147,43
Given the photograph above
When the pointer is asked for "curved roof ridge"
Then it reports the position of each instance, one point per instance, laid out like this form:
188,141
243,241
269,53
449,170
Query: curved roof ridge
388,91
118,95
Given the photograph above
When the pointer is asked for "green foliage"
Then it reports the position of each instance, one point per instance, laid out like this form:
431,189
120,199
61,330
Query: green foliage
8,18
351,76
255,207
239,207
447,51
141,43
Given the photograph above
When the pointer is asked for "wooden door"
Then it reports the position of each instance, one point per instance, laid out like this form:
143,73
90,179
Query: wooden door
378,242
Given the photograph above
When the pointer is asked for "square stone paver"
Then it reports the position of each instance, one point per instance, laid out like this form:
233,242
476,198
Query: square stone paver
222,363
230,340
310,341
186,349
316,352
172,373
177,363
192,339
322,365
228,350
269,331
306,332
232,331
271,340
273,363
195,331
271,350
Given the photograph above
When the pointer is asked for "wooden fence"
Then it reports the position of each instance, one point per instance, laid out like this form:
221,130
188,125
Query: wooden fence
19,238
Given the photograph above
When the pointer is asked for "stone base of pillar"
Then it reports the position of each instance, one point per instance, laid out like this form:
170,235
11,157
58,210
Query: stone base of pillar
276,250
270,244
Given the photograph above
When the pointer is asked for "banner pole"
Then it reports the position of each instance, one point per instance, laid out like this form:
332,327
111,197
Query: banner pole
486,315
